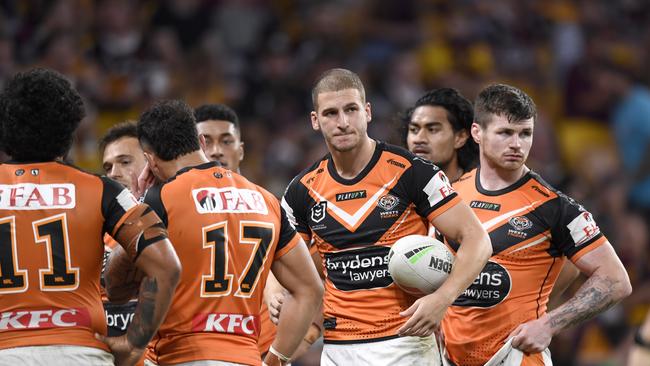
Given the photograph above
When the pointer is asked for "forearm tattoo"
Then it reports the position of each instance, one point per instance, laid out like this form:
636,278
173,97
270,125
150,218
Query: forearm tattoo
144,325
595,296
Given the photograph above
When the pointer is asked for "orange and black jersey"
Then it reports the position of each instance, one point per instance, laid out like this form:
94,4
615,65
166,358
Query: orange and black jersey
227,232
52,220
533,228
353,222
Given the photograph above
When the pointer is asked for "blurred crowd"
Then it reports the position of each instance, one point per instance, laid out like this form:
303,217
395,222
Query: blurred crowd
583,62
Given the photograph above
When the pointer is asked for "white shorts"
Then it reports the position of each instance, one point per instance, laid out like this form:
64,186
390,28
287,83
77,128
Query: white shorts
510,356
55,356
401,351
198,363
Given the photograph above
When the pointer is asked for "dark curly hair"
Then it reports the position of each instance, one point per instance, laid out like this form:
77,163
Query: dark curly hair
459,114
39,110
219,112
168,128
503,100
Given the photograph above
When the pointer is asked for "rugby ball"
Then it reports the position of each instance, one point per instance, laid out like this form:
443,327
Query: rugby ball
419,264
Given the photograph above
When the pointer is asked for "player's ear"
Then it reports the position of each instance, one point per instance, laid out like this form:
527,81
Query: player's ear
460,138
476,132
202,142
241,150
368,112
314,121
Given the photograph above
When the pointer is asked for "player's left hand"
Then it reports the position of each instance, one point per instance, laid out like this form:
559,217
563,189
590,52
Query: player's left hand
125,354
533,336
426,314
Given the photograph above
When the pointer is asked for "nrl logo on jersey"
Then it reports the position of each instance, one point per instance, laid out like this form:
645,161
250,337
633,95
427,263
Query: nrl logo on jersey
229,199
318,211
30,196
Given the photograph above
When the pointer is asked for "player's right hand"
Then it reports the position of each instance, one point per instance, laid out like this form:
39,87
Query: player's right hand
143,181
425,316
274,304
125,354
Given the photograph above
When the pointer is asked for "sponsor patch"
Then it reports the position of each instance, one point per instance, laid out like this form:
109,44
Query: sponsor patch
118,317
44,319
229,199
346,196
30,196
490,288
396,163
359,269
438,188
329,323
482,205
241,324
583,228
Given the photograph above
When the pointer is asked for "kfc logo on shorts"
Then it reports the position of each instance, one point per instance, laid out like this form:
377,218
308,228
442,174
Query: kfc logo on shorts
30,196
241,324
44,319
318,211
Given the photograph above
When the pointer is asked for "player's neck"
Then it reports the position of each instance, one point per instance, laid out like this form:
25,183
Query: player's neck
452,170
170,168
349,164
494,178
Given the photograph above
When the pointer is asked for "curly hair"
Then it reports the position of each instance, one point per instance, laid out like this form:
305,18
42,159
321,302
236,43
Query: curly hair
459,114
220,112
39,110
168,128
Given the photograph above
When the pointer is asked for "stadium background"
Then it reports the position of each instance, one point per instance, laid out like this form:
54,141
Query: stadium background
261,57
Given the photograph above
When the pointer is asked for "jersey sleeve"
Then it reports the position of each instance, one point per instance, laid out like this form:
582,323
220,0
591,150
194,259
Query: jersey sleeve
153,198
288,237
429,189
295,207
575,233
116,202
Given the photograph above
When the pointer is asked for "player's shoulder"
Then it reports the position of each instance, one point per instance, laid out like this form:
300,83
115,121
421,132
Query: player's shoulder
467,180
400,157
308,175
540,186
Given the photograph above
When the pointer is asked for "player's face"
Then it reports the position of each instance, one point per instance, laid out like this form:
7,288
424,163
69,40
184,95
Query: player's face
342,117
123,161
504,145
222,143
431,136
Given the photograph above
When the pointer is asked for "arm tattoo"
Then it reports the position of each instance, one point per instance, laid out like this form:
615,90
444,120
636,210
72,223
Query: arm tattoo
595,296
143,325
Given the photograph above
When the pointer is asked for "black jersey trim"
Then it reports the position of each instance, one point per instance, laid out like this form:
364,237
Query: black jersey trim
379,148
541,287
153,198
203,166
355,341
520,182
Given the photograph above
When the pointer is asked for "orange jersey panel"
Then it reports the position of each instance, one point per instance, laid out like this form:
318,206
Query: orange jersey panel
533,228
353,223
52,219
268,331
227,232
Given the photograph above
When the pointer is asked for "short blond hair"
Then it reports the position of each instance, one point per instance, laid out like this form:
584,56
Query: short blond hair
334,80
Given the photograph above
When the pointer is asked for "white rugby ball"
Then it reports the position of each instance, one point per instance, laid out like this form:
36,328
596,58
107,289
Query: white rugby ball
419,264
